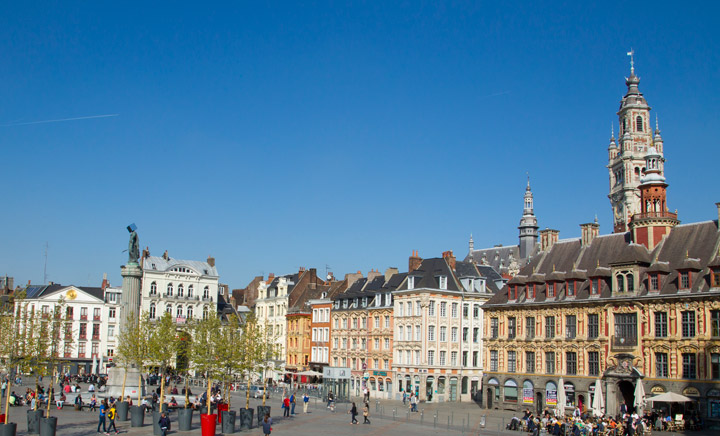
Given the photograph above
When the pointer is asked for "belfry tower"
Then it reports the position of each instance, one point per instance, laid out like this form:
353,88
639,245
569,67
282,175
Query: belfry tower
528,225
626,158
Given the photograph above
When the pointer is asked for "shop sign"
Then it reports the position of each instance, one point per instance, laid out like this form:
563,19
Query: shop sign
551,398
380,373
331,372
527,396
691,392
657,390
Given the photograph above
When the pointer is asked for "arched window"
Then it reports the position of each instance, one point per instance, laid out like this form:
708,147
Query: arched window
179,312
181,290
206,292
152,311
190,290
550,394
205,312
624,125
639,123
511,391
528,392
170,289
153,288
168,309
190,312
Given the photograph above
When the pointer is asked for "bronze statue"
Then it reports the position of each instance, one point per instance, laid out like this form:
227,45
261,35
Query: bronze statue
133,245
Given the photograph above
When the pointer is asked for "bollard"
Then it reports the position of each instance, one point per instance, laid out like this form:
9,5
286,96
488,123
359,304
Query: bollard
435,420
407,416
448,423
468,421
394,413
422,415
463,425
499,426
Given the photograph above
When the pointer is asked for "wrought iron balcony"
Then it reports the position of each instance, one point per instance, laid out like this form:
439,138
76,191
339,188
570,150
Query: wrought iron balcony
622,342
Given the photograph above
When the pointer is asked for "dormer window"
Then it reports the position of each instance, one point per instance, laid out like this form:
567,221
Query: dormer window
355,302
443,282
654,282
411,282
337,304
345,304
685,280
624,281
323,295
571,288
552,289
364,302
595,286
715,280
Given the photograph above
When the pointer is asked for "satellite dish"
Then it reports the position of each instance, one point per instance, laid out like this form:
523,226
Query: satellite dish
329,277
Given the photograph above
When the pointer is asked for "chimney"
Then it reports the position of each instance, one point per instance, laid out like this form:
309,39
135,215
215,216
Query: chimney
389,272
718,207
165,255
271,276
302,269
548,238
105,283
450,258
146,252
353,277
211,261
414,261
373,273
589,231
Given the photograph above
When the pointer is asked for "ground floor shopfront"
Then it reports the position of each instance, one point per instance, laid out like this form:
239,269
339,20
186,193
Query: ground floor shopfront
439,385
378,383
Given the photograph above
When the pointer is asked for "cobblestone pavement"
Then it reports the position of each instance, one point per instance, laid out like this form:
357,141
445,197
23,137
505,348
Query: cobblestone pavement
387,417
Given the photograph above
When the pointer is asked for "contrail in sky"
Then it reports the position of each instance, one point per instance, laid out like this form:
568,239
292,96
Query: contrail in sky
60,120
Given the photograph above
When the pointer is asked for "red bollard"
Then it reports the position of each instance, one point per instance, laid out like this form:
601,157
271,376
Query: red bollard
207,424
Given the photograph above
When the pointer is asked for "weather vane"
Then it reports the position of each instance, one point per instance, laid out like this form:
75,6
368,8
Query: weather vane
631,53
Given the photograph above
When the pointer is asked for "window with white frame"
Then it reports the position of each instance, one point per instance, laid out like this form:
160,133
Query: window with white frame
443,309
431,333
443,282
442,358
454,310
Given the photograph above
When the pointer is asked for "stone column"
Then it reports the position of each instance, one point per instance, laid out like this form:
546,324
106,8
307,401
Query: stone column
132,275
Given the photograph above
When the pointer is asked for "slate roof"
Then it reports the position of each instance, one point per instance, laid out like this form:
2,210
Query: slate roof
691,246
35,291
154,263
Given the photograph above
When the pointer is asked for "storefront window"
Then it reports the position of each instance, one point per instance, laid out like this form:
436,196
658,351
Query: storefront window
551,394
441,385
569,395
372,384
528,392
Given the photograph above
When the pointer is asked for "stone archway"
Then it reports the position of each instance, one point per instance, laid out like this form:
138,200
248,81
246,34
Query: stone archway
626,392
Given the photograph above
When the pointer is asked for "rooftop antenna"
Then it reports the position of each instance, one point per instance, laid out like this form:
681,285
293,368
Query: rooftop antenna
45,267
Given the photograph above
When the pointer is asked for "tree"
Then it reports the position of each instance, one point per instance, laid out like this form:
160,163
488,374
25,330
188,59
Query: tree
133,344
9,343
205,358
231,357
163,347
249,347
36,337
59,325
268,350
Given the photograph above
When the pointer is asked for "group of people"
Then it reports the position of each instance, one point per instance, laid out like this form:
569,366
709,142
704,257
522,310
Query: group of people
354,413
411,399
288,403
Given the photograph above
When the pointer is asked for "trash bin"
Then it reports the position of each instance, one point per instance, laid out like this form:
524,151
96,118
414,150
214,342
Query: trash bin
207,424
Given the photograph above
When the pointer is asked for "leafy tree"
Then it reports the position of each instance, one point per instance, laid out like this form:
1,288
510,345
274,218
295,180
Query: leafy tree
133,344
10,346
59,325
206,343
268,351
163,347
249,347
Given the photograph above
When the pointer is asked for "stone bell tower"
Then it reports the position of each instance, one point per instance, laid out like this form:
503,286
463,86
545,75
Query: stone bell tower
626,158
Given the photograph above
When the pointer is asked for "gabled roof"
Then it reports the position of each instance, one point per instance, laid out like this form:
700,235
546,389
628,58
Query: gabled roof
44,291
154,263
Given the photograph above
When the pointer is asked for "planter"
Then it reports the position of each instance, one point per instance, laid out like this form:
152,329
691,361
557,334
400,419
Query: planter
156,407
228,422
33,421
137,416
246,417
9,429
207,424
261,411
223,407
204,411
185,419
156,425
48,426
121,409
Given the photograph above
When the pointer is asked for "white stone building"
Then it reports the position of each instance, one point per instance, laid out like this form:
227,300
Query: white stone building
271,307
93,316
438,320
185,288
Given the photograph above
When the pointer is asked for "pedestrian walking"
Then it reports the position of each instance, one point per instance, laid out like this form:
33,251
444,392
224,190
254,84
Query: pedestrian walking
306,399
292,404
164,423
267,425
404,398
331,398
111,418
101,417
413,403
366,413
353,412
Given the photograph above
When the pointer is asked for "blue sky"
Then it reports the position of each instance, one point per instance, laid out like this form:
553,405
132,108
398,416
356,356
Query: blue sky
288,134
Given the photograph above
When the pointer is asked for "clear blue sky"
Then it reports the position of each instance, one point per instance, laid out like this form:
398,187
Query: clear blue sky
339,134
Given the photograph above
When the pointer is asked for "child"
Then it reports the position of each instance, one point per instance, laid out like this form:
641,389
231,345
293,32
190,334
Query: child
111,417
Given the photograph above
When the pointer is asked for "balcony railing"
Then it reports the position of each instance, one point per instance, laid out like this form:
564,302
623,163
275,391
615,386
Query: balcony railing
82,336
95,337
639,216
96,317
623,342
68,355
83,317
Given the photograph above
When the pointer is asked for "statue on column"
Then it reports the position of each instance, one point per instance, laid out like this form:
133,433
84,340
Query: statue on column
133,245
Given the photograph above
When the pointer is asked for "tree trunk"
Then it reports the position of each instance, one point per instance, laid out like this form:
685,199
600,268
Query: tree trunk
187,395
139,389
247,395
162,388
122,394
208,394
37,389
7,401
264,389
50,398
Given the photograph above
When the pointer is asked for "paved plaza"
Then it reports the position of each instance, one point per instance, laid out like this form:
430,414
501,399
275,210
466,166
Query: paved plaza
387,417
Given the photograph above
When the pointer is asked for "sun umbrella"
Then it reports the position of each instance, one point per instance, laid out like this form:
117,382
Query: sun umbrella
598,404
639,397
561,398
669,397
94,365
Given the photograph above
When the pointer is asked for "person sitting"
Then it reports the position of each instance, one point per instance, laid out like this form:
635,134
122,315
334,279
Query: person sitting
61,402
173,402
91,388
129,401
196,403
93,403
146,405
174,390
78,402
